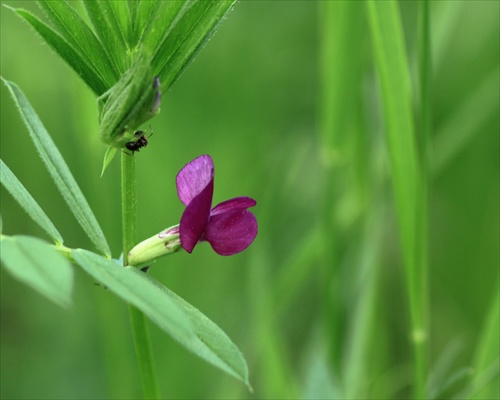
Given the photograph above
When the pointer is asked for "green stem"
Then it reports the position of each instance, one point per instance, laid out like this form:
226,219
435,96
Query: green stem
422,235
140,330
408,165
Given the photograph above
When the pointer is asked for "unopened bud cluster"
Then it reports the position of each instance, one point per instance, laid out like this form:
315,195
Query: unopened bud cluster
132,101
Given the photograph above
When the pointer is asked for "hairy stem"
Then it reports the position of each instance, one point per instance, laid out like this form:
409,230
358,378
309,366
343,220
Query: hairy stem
138,321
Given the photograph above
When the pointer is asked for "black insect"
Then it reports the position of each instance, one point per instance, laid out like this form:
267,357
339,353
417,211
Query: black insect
141,142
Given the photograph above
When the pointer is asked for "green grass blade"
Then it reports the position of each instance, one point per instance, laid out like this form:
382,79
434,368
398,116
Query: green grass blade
79,35
393,72
442,367
296,269
341,68
465,123
109,32
185,37
343,52
59,171
356,367
487,355
79,64
37,264
27,202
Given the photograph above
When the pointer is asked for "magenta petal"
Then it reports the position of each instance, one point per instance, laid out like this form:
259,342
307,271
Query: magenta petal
237,203
194,177
195,218
231,232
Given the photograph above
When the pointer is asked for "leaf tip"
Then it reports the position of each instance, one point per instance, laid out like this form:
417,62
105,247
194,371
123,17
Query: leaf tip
9,7
108,157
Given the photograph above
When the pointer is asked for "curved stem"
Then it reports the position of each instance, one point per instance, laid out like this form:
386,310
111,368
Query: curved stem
138,321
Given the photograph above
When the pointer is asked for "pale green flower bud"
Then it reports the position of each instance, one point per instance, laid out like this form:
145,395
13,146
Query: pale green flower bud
133,100
164,243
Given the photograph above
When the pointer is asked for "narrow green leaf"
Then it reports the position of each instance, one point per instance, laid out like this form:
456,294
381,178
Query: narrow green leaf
122,19
106,27
192,27
319,381
58,170
443,367
210,342
79,64
465,123
27,202
133,7
460,375
175,316
341,62
393,71
145,12
396,95
155,20
37,264
130,284
364,298
108,157
79,35
487,359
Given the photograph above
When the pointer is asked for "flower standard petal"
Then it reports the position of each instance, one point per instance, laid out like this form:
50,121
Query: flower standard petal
194,177
237,203
195,217
231,232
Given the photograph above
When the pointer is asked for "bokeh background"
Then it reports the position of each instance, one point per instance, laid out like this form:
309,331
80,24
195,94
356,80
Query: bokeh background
252,100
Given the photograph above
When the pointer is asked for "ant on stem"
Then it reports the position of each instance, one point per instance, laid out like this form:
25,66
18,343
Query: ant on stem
141,142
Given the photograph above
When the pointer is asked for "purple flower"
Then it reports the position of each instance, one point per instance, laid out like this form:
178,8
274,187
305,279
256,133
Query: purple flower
229,227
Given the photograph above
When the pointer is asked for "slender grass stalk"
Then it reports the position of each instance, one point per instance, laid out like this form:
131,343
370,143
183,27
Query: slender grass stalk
341,69
357,364
406,170
143,349
329,153
339,21
422,237
485,380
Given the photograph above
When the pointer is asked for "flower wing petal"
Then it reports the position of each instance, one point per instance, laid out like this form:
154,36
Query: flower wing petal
237,203
195,218
194,177
231,232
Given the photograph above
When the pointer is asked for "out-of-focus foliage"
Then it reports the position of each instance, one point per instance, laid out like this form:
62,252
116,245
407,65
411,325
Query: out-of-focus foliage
250,100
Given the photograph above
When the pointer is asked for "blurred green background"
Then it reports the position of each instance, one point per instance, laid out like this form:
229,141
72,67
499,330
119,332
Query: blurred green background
252,100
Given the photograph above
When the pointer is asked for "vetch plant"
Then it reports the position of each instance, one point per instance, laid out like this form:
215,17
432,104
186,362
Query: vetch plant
372,152
128,56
